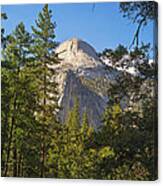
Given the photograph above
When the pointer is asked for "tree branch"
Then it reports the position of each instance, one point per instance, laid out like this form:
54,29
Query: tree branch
136,35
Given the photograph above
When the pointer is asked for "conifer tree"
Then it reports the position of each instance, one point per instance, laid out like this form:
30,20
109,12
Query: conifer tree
3,38
43,52
75,155
14,87
67,154
129,132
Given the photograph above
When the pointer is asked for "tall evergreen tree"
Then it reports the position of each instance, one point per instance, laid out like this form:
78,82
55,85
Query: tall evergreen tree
14,87
43,52
75,155
3,38
130,131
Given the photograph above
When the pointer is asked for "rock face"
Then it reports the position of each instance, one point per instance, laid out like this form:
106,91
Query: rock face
81,74
77,53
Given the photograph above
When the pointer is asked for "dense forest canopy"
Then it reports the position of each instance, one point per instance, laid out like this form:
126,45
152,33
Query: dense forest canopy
34,141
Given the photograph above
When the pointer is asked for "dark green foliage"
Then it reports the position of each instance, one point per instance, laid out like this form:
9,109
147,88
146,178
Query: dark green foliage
3,38
136,11
116,54
119,52
130,130
140,13
35,144
142,51
17,90
43,52
75,155
28,107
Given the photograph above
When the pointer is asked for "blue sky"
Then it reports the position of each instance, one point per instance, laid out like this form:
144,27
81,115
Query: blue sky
102,28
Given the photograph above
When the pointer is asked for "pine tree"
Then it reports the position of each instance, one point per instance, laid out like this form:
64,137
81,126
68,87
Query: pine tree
66,155
15,55
75,155
3,38
43,51
129,131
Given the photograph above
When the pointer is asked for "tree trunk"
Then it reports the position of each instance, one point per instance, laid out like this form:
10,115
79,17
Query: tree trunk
14,159
4,140
19,165
42,161
10,136
44,121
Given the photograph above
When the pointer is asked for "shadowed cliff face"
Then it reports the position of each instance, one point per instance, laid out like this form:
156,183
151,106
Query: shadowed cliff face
89,100
81,74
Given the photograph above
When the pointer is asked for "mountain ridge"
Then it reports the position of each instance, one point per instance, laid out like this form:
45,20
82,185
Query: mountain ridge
83,74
